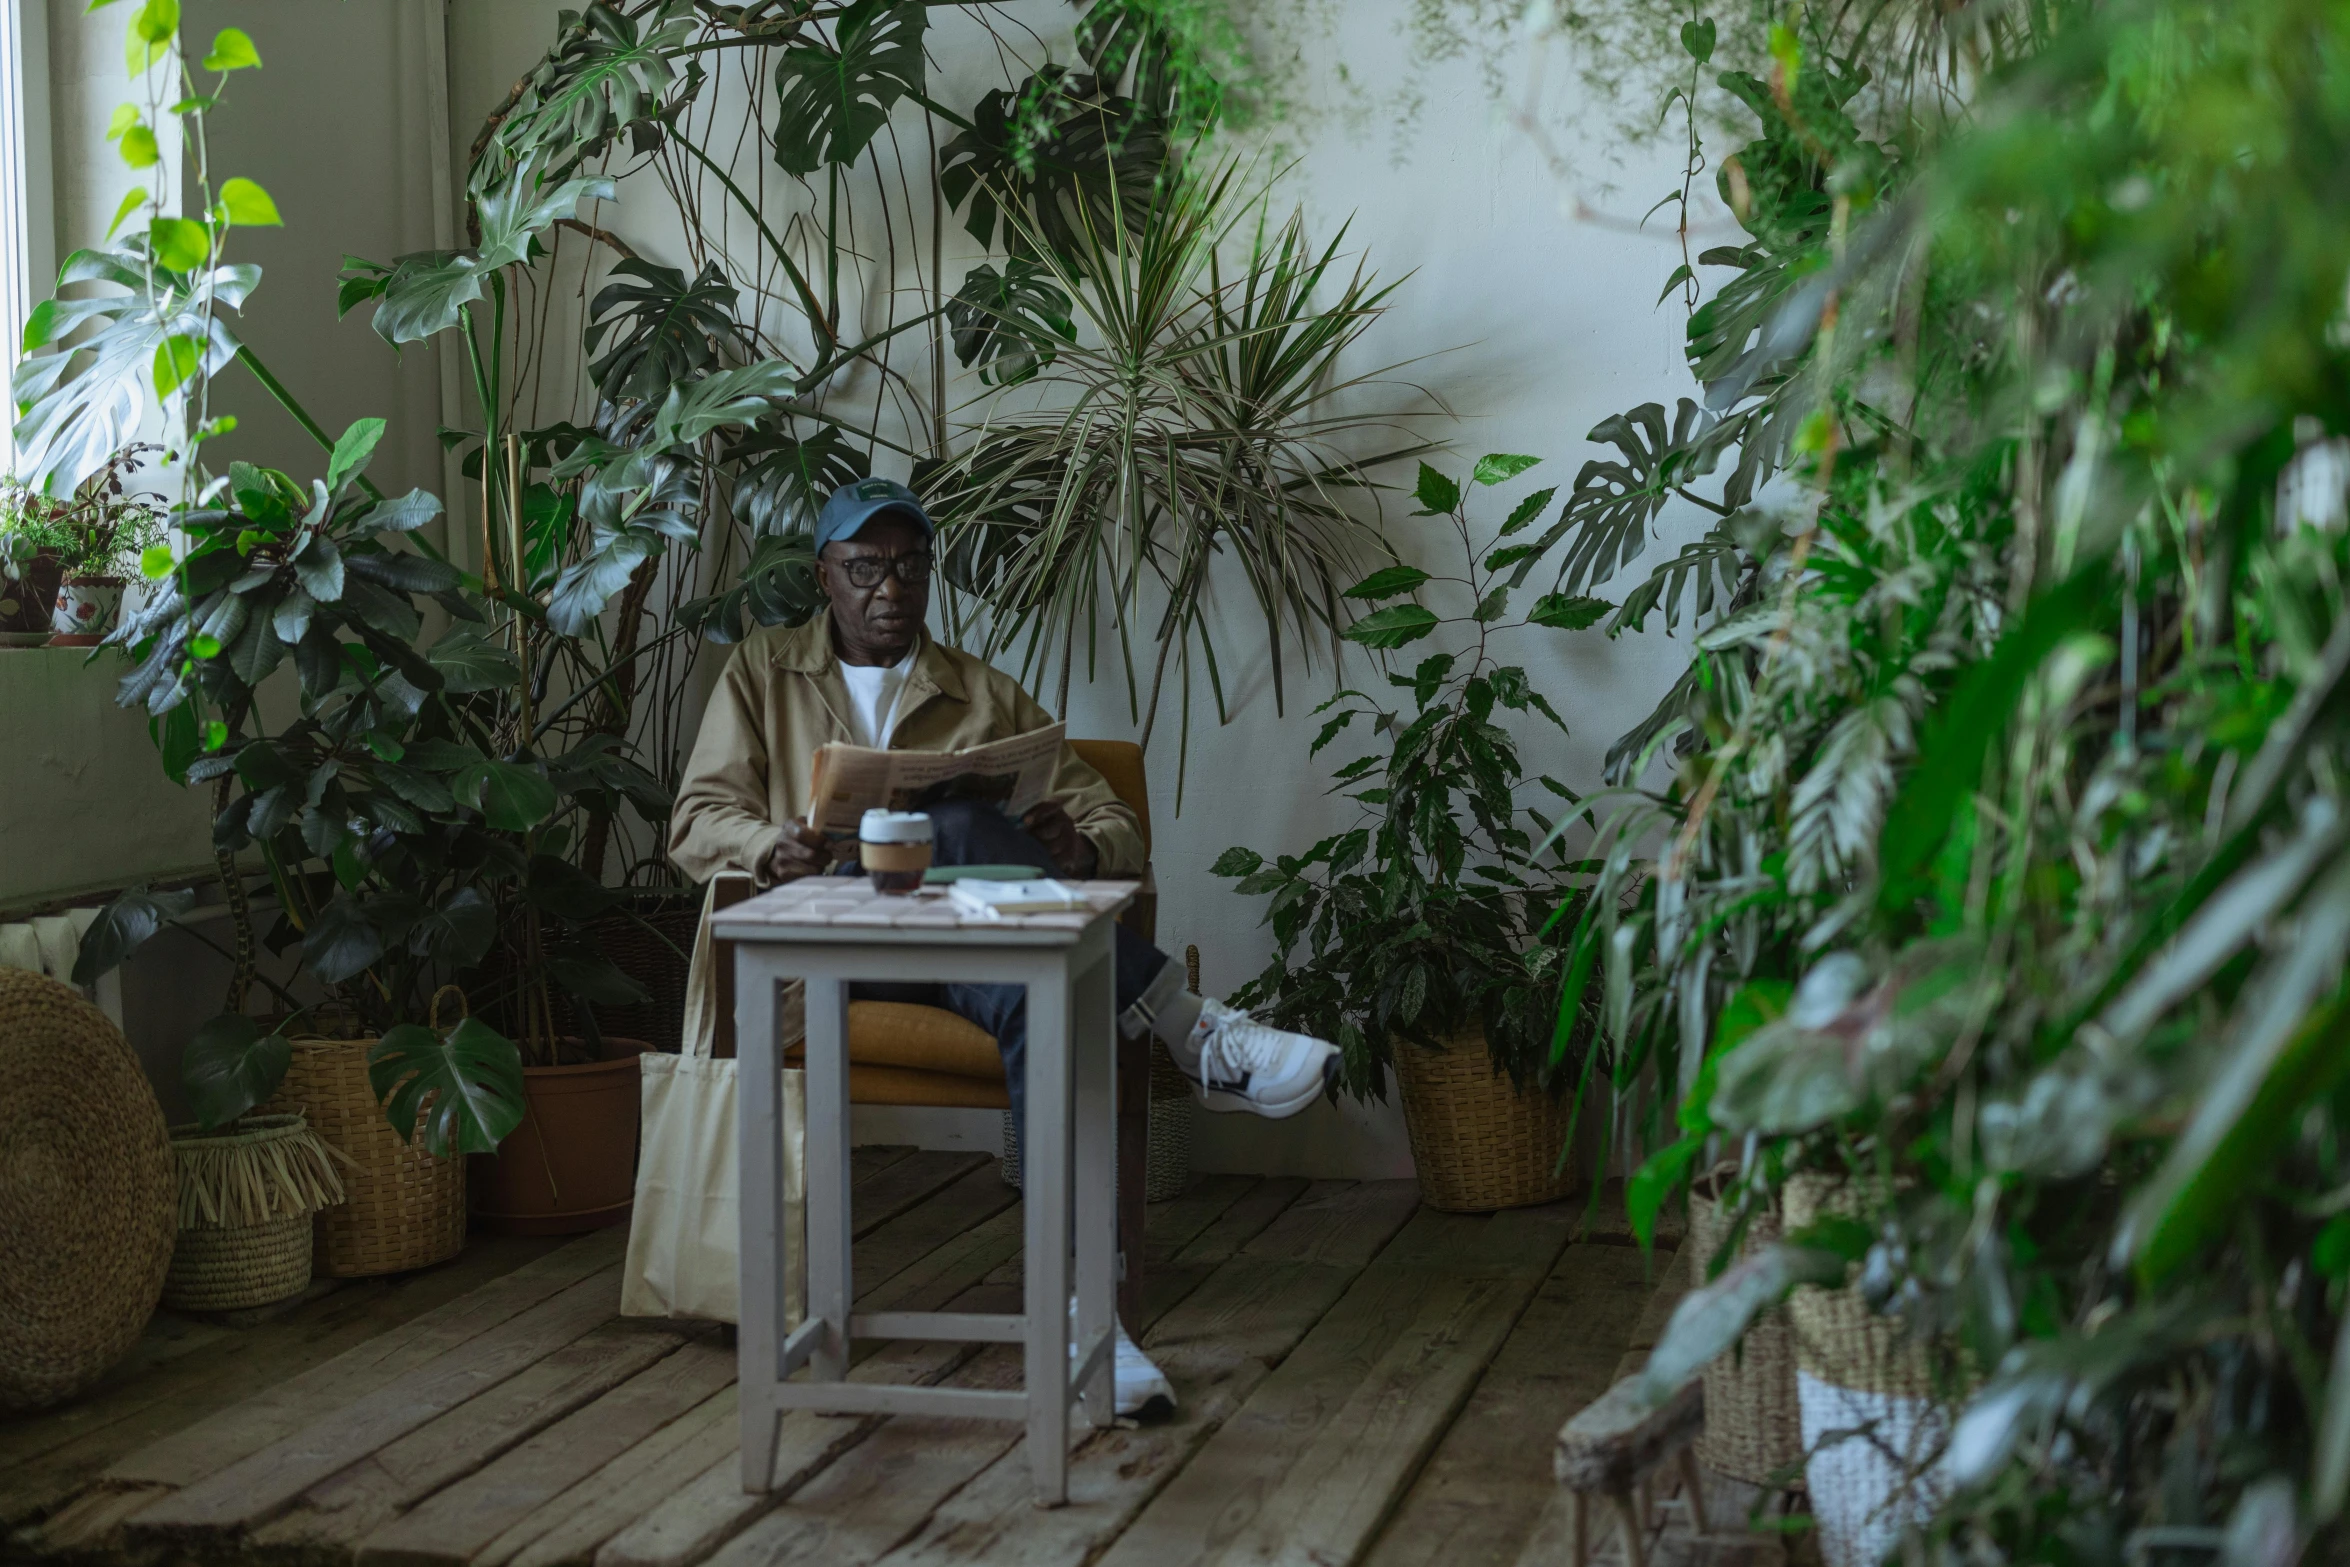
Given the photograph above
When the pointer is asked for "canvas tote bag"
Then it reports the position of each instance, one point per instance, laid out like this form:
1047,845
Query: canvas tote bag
685,1235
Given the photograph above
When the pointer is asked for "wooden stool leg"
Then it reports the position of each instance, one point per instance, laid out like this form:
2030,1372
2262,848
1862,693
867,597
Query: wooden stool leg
1582,1529
1635,1529
1693,1487
1134,1130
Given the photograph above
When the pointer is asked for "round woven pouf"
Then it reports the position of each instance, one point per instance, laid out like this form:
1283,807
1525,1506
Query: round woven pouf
88,1200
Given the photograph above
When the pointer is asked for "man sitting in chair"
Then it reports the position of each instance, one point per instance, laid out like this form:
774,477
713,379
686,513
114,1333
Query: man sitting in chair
867,673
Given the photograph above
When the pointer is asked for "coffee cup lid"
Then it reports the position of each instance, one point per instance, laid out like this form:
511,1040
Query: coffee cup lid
894,827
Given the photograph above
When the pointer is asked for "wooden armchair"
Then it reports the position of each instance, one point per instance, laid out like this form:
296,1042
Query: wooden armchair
903,1054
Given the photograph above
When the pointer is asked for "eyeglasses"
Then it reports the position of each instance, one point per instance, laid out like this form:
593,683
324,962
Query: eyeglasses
866,571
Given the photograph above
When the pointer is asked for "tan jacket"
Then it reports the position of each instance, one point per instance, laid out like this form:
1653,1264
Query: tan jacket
781,696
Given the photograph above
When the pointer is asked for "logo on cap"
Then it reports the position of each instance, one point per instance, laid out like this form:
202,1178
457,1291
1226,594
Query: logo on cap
876,490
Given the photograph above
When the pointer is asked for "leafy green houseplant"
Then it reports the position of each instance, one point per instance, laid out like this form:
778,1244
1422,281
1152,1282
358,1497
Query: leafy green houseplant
1424,926
377,815
385,816
1987,863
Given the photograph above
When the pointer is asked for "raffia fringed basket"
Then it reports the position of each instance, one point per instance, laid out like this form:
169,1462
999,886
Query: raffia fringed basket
1873,1429
1478,1142
246,1200
1167,1164
403,1208
86,1213
1753,1419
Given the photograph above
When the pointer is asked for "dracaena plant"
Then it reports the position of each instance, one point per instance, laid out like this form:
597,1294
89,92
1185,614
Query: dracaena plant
1201,414
1429,916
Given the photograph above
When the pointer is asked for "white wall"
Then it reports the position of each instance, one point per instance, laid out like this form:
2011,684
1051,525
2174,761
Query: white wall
343,125
1530,324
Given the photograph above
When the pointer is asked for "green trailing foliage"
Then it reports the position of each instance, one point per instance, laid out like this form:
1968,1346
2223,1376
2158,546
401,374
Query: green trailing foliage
1990,853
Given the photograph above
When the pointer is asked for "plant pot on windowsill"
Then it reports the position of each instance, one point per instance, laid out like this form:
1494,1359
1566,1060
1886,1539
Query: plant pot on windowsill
28,597
85,607
1481,1144
570,1166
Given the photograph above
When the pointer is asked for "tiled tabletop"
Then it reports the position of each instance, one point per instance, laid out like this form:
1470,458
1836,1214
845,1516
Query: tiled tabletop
846,904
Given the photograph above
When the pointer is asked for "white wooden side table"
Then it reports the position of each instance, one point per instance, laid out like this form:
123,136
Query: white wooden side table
829,931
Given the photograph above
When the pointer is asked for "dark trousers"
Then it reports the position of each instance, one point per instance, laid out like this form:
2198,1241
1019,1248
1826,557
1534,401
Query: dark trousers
973,832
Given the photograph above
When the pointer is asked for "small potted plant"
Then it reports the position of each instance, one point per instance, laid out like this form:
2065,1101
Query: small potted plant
66,563
29,565
1416,939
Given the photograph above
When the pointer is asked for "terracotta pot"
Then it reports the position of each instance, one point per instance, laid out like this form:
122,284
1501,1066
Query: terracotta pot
85,610
27,599
571,1165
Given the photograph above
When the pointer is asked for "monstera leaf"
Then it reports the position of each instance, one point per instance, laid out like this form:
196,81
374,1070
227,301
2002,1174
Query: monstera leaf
229,1066
1009,323
422,294
664,330
1613,503
777,588
781,480
603,76
1124,42
466,1083
125,925
831,103
78,405
637,498
1098,164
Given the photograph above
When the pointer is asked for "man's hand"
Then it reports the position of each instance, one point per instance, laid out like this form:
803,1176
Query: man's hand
1073,853
801,851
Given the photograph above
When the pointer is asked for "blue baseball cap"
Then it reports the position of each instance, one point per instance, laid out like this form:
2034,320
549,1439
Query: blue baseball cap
853,505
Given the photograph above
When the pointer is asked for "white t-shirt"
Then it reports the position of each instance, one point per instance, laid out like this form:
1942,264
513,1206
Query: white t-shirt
873,698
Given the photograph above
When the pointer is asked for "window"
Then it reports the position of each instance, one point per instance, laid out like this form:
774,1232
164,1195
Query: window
27,268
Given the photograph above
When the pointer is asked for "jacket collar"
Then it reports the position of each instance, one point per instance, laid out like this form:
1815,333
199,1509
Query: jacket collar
807,650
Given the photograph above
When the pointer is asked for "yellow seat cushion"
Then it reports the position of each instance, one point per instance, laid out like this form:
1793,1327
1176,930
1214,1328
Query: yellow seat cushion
901,1053
895,1085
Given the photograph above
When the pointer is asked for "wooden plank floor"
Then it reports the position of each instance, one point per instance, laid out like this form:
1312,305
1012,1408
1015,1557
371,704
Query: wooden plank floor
1361,1380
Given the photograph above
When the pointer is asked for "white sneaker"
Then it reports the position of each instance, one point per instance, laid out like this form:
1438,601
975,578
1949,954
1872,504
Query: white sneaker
1143,1391
1237,1063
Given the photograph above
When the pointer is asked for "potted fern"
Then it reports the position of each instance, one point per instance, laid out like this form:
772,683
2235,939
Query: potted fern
1417,938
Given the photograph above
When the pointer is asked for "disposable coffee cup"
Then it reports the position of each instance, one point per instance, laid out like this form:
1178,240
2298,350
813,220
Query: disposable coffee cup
894,848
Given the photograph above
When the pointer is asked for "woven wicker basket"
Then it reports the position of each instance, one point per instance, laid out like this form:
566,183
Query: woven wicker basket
228,1270
1753,1421
406,1209
1167,1163
657,958
246,1197
1478,1142
1837,1337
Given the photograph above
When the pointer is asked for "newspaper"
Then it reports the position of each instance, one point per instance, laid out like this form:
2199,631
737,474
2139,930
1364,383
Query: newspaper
853,779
